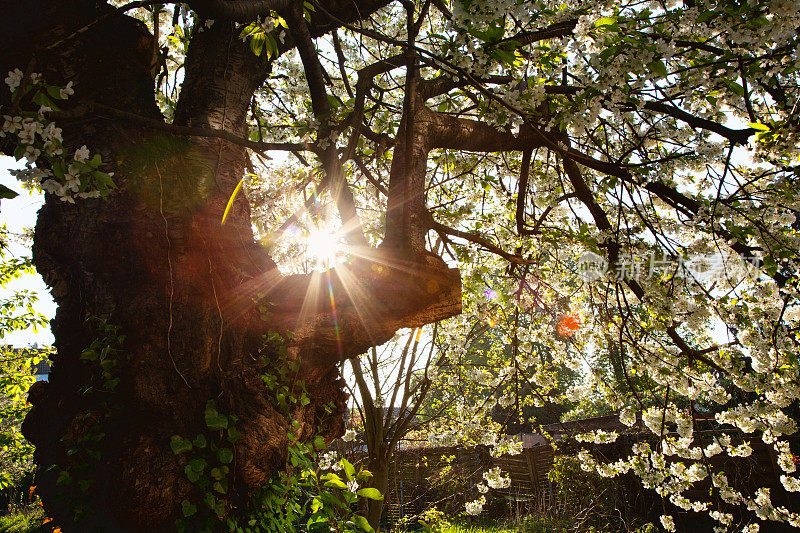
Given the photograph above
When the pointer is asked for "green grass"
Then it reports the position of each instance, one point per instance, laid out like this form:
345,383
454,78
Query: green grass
540,523
26,520
479,528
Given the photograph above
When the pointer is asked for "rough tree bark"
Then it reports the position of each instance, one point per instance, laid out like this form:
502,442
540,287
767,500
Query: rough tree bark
154,259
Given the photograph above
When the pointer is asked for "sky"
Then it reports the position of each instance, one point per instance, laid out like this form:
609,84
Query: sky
17,215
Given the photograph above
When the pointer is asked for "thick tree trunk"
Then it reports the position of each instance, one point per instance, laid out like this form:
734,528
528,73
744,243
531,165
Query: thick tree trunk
192,297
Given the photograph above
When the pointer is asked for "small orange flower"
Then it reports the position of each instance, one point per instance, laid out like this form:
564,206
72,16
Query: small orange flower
31,491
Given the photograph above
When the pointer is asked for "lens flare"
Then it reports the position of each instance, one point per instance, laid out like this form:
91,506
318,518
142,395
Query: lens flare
324,247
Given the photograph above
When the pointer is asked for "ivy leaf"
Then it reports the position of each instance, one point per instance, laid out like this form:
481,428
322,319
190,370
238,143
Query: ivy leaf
233,435
214,420
179,444
187,508
191,475
197,464
225,455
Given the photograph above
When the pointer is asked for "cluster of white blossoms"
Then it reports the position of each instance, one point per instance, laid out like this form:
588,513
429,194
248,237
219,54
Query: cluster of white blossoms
475,506
598,436
329,461
40,143
495,479
492,479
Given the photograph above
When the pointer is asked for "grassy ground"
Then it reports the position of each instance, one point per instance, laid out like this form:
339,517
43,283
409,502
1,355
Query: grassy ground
485,528
24,520
531,524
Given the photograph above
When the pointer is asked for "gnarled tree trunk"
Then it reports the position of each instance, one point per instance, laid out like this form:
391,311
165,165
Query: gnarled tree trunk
185,290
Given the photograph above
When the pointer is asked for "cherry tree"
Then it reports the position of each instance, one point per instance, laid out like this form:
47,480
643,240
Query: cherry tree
651,135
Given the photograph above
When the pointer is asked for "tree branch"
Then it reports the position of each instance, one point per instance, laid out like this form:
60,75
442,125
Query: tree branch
343,196
236,10
735,136
476,239
97,109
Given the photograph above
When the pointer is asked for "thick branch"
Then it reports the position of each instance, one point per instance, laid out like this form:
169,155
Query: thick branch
236,10
522,191
559,29
735,136
96,109
342,194
446,131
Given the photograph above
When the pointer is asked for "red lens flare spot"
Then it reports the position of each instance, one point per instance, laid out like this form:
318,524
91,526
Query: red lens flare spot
569,324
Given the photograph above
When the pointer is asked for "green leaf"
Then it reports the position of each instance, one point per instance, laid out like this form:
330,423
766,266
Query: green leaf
54,92
225,455
233,435
336,483
179,444
270,45
191,475
214,420
7,193
371,493
63,478
608,52
363,523
503,56
197,464
658,68
19,152
349,470
42,99
735,87
257,44
187,508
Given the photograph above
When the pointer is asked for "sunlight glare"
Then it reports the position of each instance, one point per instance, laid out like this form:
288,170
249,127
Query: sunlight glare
324,247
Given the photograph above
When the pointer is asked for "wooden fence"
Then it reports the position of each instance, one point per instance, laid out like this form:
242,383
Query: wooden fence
447,476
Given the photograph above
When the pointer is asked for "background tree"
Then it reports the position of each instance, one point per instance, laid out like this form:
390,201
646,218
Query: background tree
391,391
16,371
534,131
